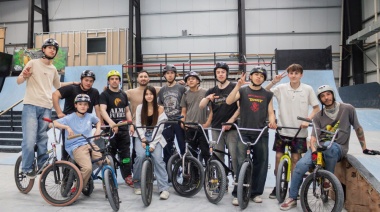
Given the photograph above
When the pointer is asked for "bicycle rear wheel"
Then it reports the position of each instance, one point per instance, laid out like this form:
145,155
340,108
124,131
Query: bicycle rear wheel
147,182
215,181
282,183
169,167
111,189
191,182
52,183
244,185
23,183
327,195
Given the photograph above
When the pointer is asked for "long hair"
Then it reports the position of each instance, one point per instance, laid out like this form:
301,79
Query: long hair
144,109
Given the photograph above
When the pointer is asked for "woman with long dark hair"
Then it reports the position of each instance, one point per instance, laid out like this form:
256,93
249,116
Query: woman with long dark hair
149,113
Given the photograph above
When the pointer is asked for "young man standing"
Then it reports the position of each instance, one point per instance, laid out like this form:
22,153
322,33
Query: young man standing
40,76
191,113
256,106
222,112
341,115
170,97
294,99
69,93
114,108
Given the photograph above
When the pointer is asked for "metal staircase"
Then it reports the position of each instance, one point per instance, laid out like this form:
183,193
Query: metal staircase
10,131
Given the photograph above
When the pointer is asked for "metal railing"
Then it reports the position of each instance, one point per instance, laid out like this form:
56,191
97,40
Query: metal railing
11,109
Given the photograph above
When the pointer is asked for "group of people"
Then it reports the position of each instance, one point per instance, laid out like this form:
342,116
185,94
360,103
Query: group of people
149,106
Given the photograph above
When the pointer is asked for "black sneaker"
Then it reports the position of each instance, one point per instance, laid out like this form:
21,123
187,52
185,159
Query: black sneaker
31,174
273,194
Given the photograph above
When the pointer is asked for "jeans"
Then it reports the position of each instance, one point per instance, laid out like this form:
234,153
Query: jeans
331,157
260,163
34,132
170,131
198,140
158,162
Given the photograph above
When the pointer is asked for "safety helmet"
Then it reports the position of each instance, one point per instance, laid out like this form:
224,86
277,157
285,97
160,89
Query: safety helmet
82,98
50,42
222,65
260,70
113,73
87,73
324,88
169,67
192,74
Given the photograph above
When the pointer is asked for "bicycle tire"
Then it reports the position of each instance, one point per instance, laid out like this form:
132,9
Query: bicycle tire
51,191
282,183
111,190
112,163
324,196
244,185
23,183
147,182
190,185
170,165
215,181
89,188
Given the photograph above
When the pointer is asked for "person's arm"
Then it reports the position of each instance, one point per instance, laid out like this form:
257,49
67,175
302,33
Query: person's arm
235,95
275,80
129,118
106,117
98,128
209,119
68,83
65,127
183,114
24,75
313,143
271,115
315,110
98,114
56,97
360,134
232,119
209,98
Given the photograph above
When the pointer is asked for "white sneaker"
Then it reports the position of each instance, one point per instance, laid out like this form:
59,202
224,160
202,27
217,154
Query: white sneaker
164,195
137,191
235,201
257,199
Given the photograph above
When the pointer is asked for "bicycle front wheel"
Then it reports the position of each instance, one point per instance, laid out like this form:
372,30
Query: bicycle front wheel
326,195
147,182
54,180
188,180
282,183
215,181
23,183
111,190
244,185
169,167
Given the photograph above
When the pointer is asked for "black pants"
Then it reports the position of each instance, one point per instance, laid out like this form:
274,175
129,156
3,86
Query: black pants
170,132
120,144
196,138
64,155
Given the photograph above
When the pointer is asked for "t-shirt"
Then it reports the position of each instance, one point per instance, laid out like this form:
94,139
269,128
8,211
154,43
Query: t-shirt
190,101
293,103
38,90
116,105
221,110
69,93
254,108
80,125
170,98
345,118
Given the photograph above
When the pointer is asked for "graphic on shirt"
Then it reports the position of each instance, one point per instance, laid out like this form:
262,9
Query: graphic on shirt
221,100
255,102
117,113
117,101
331,128
171,103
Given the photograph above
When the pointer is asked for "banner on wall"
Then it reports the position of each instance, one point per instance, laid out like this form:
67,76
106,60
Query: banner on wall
22,56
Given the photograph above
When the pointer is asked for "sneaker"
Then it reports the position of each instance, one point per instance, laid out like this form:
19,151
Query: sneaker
235,201
129,181
31,174
326,185
137,191
288,204
164,195
273,194
257,199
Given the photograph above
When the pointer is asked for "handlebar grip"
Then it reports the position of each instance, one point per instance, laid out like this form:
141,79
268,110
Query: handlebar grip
122,123
47,119
304,119
74,136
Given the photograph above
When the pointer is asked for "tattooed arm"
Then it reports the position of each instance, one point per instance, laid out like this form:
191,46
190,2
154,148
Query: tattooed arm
360,135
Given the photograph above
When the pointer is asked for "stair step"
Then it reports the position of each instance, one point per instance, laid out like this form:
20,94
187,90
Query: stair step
10,149
8,129
4,135
8,123
11,141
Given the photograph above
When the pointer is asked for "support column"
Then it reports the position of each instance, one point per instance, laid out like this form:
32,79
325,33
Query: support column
30,24
241,34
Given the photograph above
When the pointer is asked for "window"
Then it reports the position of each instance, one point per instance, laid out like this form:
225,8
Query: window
95,45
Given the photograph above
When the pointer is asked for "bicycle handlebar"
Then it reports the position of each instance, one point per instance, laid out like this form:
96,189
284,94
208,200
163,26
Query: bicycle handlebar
74,136
246,129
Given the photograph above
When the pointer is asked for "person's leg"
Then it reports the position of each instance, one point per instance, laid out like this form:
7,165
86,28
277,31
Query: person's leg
180,136
332,156
64,154
299,171
140,155
221,145
160,169
168,134
123,143
298,147
231,142
203,145
260,165
42,137
133,156
29,131
83,159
